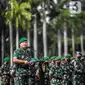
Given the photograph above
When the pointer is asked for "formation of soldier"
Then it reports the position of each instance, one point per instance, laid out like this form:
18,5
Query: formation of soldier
66,70
54,70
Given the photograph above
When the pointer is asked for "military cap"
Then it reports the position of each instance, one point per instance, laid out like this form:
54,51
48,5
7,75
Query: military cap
63,58
35,59
53,57
78,53
58,58
6,59
72,58
83,55
46,58
22,40
67,55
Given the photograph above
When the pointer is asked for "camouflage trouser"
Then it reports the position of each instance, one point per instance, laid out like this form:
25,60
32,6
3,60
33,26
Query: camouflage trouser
21,79
5,80
65,79
56,81
46,81
76,79
24,79
65,82
37,82
59,81
53,81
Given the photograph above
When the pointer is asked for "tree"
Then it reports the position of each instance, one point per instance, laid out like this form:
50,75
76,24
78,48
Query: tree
19,16
64,20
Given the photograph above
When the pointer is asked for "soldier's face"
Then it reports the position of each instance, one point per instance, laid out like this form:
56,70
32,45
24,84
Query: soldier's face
52,62
78,56
24,44
82,59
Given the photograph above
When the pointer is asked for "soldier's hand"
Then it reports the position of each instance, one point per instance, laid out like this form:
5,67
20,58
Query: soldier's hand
30,61
26,62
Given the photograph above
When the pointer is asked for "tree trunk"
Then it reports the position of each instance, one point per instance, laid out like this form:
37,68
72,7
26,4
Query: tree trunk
28,37
81,39
35,37
73,42
59,43
2,46
65,39
17,38
11,44
44,32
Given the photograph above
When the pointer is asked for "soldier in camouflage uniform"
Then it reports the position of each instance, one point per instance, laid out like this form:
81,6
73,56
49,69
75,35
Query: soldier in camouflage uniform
52,70
37,71
66,70
22,60
77,72
45,67
72,59
83,69
4,72
58,71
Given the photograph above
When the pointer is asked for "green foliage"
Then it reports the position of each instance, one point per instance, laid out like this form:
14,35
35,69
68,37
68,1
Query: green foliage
75,22
18,13
35,1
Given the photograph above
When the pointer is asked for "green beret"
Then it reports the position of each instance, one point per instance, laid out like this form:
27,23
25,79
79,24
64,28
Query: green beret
53,57
63,58
58,58
34,59
46,58
72,58
83,55
67,55
6,59
22,40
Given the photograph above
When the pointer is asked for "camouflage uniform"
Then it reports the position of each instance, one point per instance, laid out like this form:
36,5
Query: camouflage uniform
22,72
31,73
66,70
45,67
77,72
5,73
52,70
51,74
83,69
37,73
58,71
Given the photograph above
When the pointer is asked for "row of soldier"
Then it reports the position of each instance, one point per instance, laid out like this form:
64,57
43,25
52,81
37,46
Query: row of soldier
66,70
26,70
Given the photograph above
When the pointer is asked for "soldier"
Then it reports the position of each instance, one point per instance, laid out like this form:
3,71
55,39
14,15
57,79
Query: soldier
52,70
22,60
83,69
45,67
72,59
32,72
37,71
66,70
58,71
4,72
77,69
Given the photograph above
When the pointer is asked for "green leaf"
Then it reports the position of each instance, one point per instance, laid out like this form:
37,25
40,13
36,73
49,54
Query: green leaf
26,14
25,5
66,13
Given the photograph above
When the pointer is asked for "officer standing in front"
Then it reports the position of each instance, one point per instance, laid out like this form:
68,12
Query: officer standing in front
21,60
